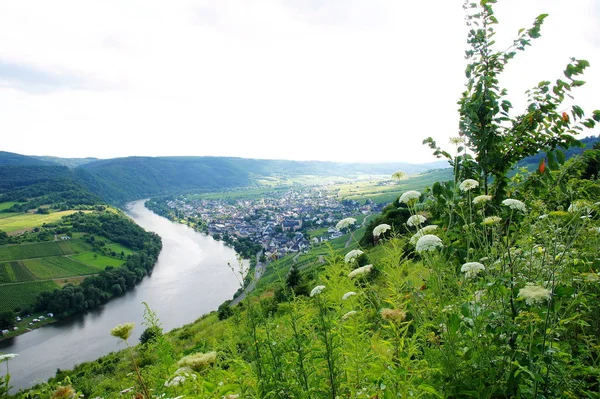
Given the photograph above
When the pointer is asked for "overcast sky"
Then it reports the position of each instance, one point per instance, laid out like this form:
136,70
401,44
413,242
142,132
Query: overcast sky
340,80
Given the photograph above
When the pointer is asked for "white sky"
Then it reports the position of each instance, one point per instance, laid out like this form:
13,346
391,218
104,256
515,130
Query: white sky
339,80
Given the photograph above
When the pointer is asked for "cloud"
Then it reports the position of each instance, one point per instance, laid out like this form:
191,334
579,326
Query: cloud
36,80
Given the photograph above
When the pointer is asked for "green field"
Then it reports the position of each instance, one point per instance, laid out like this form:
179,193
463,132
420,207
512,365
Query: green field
42,249
97,260
118,248
22,294
59,266
24,221
15,271
6,205
27,251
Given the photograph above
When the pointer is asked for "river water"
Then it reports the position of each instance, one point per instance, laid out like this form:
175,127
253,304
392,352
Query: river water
190,278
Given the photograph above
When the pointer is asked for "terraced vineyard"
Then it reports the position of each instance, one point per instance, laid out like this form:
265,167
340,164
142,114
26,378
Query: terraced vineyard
28,269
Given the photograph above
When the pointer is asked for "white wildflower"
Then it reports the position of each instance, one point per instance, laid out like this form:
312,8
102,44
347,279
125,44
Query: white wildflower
468,185
420,233
410,197
416,220
345,223
353,255
7,356
348,295
491,220
360,270
481,199
317,290
428,242
515,204
456,140
379,230
347,315
534,294
175,381
471,269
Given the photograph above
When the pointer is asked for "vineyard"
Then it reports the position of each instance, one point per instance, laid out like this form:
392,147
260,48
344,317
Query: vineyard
22,294
58,266
42,249
15,271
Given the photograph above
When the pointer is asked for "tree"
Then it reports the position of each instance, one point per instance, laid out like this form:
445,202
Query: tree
497,139
7,319
294,277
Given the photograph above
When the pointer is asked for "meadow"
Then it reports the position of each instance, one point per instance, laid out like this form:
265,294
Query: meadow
24,221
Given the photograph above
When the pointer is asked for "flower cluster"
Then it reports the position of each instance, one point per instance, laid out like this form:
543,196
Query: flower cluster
410,197
198,361
416,220
392,314
534,294
122,331
348,295
353,255
7,356
360,270
347,315
471,269
317,290
345,223
428,242
379,230
468,185
515,204
481,199
420,233
491,220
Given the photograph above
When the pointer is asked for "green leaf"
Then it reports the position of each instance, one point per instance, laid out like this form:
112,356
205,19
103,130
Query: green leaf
429,389
560,157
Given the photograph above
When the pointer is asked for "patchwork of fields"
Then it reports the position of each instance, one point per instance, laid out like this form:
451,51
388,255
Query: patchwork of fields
28,269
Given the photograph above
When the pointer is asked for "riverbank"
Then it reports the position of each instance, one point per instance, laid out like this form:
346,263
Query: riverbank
27,324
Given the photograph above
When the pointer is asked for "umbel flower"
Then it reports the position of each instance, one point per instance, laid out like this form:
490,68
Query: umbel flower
7,356
515,204
428,242
481,199
345,223
347,315
122,331
420,233
468,185
392,314
353,255
410,197
317,290
471,269
491,220
360,270
348,295
64,392
534,294
416,220
379,230
198,361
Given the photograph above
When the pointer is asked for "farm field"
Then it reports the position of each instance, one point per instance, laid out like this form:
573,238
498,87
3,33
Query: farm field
58,266
118,248
6,205
23,221
14,271
22,294
97,260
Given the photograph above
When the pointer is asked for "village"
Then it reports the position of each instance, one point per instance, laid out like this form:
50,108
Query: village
280,222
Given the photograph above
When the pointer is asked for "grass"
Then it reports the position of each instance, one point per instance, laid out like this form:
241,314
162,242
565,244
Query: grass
23,294
97,260
6,205
118,248
24,221
59,266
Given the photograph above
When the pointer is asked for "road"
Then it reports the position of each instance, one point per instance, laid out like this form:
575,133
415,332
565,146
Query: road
258,272
352,234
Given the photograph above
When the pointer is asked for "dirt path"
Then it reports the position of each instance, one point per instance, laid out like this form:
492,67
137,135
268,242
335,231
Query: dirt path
258,272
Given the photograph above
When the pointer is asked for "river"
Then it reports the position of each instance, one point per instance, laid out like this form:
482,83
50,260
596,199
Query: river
190,278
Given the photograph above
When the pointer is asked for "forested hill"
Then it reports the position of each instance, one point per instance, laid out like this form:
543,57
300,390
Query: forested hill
123,179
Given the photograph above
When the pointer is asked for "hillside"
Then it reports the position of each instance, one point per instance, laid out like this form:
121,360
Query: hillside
462,298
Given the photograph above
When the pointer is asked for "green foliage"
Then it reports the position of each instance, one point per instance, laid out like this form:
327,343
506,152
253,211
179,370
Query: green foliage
498,139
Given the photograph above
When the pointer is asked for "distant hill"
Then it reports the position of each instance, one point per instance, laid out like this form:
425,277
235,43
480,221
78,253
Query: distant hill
533,161
68,162
10,158
123,179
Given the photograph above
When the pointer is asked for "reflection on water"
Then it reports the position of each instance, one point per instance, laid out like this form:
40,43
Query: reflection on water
191,278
